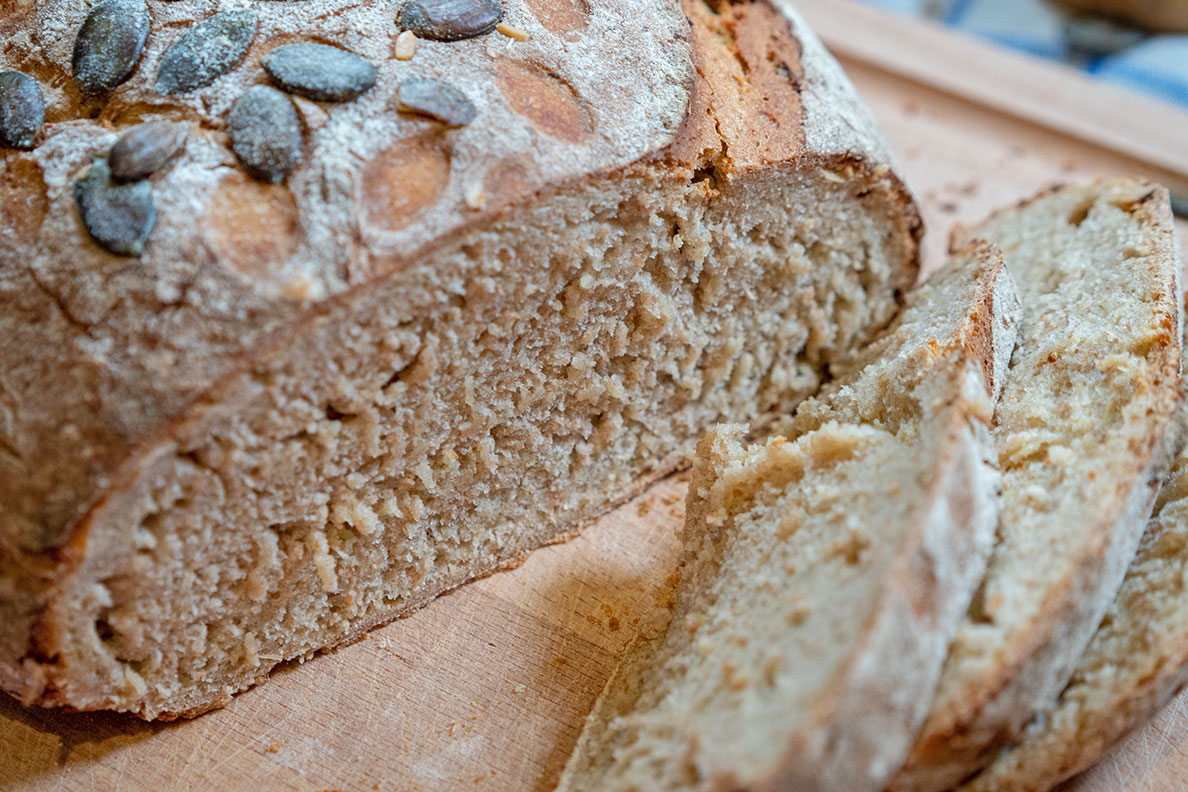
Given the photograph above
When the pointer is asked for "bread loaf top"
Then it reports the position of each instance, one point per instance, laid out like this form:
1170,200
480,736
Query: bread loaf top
102,353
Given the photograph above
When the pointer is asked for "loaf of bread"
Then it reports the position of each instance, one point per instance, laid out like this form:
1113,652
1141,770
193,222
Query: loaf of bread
312,311
822,579
1083,438
1136,662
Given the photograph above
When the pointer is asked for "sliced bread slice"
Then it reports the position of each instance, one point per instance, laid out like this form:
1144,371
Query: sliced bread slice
1081,434
1136,662
823,578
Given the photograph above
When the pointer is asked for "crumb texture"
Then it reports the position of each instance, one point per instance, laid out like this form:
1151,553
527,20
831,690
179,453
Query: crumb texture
818,569
1137,660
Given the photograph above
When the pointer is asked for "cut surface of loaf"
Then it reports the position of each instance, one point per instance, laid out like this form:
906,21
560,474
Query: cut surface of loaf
1082,438
1137,660
312,406
822,578
969,304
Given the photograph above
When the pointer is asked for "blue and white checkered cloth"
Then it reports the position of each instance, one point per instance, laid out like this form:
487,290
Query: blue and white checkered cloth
1156,64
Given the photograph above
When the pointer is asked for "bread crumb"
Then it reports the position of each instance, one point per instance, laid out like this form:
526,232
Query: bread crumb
274,748
251,650
512,32
323,561
348,510
475,197
298,288
406,46
134,682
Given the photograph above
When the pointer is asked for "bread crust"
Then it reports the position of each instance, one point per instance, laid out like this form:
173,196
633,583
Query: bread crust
964,733
224,312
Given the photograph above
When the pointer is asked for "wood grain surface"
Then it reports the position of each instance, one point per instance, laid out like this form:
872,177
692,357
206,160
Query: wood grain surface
487,687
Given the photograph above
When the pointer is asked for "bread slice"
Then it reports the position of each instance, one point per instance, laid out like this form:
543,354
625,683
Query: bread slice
1137,660
823,577
311,407
1081,435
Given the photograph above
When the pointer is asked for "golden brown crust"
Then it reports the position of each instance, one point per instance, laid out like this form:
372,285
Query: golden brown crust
745,110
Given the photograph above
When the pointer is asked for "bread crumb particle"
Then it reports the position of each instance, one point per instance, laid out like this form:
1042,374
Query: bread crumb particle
406,45
323,562
512,32
475,197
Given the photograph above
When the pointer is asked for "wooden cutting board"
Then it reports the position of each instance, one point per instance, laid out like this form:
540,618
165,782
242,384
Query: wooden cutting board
486,688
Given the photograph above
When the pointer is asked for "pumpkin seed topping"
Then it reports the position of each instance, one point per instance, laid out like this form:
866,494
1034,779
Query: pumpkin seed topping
437,100
145,149
22,110
266,133
319,72
109,44
450,20
207,51
119,217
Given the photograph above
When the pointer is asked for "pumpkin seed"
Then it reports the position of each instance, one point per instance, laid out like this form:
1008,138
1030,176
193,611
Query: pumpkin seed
119,217
437,100
145,149
22,110
109,44
450,20
266,133
207,51
319,72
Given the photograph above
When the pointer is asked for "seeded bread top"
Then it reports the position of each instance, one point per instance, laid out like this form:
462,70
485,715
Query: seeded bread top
101,351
